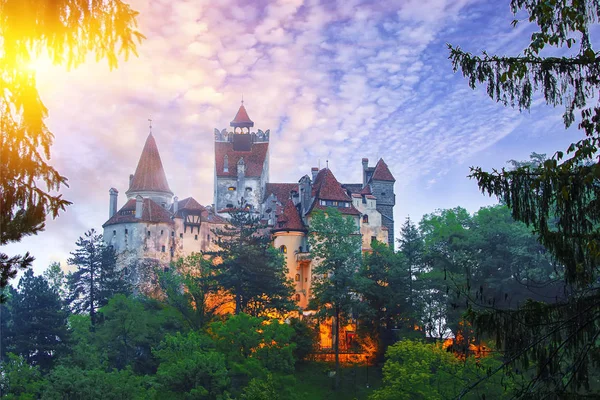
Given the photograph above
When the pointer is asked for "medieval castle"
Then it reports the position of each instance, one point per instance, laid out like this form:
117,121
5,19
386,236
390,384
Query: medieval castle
155,224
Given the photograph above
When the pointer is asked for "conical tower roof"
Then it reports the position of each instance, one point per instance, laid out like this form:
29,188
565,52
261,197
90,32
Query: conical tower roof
149,175
242,120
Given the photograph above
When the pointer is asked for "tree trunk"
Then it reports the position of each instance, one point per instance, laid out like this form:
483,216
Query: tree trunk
337,347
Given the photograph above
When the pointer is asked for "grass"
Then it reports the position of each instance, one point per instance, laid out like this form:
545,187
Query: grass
313,381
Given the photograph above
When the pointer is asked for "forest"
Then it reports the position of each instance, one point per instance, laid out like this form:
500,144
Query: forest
92,333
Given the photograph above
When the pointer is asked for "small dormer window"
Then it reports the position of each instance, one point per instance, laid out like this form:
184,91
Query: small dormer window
225,163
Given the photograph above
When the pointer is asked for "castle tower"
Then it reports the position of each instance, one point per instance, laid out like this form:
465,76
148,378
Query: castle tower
241,165
149,180
381,182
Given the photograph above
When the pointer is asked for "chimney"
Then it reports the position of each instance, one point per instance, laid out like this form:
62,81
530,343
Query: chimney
139,206
112,206
365,165
314,171
175,204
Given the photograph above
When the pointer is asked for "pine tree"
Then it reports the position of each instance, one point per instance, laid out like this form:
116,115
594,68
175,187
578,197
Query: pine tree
66,31
559,198
250,268
411,246
39,321
96,279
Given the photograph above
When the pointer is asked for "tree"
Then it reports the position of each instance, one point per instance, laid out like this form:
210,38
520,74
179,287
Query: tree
190,367
57,279
250,268
335,245
559,198
39,322
383,286
411,246
96,279
190,287
20,380
66,32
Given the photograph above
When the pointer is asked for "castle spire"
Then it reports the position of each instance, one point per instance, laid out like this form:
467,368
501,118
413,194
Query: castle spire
149,177
242,120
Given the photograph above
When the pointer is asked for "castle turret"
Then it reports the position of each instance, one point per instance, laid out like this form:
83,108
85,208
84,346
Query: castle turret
149,180
382,186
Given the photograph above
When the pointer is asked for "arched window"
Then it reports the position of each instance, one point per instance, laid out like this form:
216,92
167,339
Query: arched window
225,163
297,278
365,219
297,297
283,249
163,249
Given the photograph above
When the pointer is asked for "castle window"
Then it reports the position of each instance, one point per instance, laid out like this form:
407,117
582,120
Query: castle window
283,249
181,235
297,278
300,249
248,189
305,279
126,231
208,238
335,203
365,219
231,188
195,237
162,231
163,249
114,232
172,233
225,164
373,239
297,297
148,233
229,205
383,193
172,252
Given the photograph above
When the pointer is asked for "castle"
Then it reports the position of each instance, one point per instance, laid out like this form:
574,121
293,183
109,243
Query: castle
155,224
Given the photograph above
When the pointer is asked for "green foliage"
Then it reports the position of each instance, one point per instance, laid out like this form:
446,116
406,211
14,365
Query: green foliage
84,352
261,389
190,368
253,344
416,370
305,338
251,269
96,279
57,279
39,323
73,383
19,380
560,197
384,286
191,288
66,31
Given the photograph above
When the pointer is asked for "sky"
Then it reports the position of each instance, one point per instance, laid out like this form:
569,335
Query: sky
334,81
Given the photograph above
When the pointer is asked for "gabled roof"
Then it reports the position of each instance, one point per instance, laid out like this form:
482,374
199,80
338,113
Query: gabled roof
289,219
382,172
344,210
212,218
151,212
188,204
253,159
242,120
280,190
326,187
149,174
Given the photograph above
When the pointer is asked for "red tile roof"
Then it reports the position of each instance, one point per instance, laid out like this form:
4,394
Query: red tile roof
382,172
189,204
280,190
326,187
289,219
242,119
344,210
212,218
151,212
253,159
149,174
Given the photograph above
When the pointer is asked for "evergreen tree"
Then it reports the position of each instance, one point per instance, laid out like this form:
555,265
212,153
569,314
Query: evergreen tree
39,321
57,279
335,245
96,279
411,246
559,198
250,268
6,322
67,31
383,286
